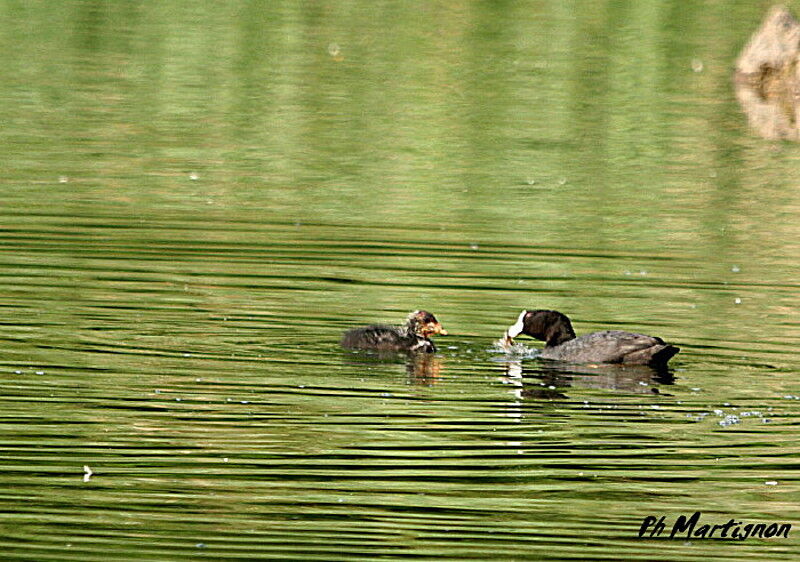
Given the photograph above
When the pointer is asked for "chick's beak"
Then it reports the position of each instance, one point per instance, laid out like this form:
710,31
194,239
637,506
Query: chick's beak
437,329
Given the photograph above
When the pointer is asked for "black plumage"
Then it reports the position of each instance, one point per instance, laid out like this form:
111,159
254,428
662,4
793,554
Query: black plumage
413,336
609,346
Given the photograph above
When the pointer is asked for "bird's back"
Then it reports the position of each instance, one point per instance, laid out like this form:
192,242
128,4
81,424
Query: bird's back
613,346
373,337
385,338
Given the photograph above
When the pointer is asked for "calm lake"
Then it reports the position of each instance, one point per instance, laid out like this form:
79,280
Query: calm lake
197,199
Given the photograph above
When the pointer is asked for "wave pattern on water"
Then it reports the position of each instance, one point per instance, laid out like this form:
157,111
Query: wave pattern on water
204,388
197,201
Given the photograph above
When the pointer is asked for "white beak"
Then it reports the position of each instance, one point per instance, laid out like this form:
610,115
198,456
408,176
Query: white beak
517,328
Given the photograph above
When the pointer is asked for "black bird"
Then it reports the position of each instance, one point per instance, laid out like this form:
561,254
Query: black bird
609,346
414,336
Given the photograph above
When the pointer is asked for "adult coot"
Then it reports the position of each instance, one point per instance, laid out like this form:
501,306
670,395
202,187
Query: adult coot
609,346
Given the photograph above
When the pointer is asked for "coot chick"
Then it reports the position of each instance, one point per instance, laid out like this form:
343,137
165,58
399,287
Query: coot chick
609,346
413,336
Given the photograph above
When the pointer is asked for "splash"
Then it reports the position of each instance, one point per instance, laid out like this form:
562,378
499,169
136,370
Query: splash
512,350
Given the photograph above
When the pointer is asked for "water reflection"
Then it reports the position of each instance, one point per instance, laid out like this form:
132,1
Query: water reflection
514,376
424,368
196,200
766,81
421,368
552,378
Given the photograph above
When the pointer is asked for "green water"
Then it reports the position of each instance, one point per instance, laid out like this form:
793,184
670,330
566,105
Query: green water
197,199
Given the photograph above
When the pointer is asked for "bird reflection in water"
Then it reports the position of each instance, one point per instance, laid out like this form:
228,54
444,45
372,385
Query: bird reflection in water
514,376
553,377
424,368
421,368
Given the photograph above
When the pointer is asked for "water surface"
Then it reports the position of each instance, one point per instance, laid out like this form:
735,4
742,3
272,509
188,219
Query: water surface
197,201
